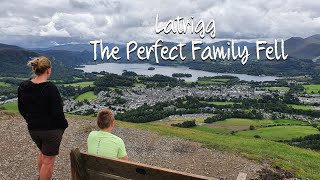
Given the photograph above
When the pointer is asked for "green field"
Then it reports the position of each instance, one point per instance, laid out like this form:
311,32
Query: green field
219,103
5,77
139,85
3,84
256,122
277,88
315,88
303,107
81,84
211,82
10,106
88,96
280,132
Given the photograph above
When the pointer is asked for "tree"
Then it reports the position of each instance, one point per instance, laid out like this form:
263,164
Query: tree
252,127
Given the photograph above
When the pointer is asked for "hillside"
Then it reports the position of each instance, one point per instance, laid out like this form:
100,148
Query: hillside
6,46
13,62
142,146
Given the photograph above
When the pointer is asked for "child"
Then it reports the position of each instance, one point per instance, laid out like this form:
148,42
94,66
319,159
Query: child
104,143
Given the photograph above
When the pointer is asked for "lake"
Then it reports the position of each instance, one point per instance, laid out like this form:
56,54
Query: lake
142,69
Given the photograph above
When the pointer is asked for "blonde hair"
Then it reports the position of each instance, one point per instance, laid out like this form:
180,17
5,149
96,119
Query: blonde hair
104,118
39,64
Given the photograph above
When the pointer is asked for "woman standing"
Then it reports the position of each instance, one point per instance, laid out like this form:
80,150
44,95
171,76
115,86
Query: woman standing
41,106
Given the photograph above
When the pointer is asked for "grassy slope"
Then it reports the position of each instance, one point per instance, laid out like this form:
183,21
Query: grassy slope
10,107
304,162
213,130
88,95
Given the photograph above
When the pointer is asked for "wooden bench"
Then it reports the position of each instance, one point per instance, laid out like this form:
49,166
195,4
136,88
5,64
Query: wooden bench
86,167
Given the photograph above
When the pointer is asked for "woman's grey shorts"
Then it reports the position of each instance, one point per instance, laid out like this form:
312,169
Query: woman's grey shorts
48,141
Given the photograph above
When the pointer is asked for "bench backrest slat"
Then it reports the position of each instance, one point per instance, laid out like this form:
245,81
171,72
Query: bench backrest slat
98,167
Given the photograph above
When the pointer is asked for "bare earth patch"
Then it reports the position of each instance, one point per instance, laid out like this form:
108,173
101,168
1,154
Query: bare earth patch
18,152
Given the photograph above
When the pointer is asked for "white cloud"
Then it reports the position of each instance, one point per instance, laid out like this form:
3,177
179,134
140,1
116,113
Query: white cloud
51,30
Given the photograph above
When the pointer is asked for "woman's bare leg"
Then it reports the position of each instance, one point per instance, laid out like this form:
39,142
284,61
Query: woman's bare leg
39,162
46,170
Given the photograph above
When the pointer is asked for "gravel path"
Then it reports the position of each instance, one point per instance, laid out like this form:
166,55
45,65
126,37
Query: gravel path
18,152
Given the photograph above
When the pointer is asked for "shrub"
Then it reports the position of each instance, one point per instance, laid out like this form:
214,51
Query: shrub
252,127
185,124
257,136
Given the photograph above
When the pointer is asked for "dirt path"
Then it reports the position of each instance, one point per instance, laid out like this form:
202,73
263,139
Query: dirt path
18,152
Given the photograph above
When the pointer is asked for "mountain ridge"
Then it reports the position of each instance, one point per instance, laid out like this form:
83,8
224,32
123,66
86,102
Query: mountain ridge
295,46
302,51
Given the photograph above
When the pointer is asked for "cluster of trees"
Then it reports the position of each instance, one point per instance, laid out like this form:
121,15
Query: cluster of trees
206,78
189,102
71,91
158,78
278,83
311,141
143,114
112,80
185,124
9,91
181,75
146,113
290,98
160,81
129,73
221,115
230,80
275,103
76,79
296,88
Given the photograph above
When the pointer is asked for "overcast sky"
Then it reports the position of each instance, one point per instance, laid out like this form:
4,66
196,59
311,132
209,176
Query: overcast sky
73,21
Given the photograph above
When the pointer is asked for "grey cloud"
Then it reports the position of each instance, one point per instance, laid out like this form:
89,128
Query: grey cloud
79,4
125,20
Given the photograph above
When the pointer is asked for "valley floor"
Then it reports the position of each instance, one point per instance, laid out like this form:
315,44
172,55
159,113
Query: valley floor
18,152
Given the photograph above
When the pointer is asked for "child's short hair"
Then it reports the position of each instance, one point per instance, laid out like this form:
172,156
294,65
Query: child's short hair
105,118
